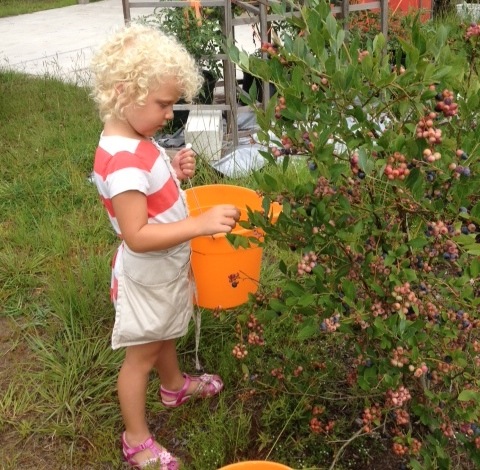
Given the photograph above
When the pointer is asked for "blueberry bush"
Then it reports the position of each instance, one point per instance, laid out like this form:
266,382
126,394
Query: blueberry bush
371,332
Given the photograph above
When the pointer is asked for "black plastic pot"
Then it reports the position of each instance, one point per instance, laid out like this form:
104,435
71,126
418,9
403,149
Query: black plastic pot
249,80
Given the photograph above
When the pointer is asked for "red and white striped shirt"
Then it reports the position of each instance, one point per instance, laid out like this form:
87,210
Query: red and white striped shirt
125,164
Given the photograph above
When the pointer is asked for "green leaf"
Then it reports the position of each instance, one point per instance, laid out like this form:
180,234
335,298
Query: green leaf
277,305
308,330
348,288
418,242
465,239
474,268
467,395
475,211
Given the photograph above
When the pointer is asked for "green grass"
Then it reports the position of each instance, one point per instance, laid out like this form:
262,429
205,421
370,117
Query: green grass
60,397
20,7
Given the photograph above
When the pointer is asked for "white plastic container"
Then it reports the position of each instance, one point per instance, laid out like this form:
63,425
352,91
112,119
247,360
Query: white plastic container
204,131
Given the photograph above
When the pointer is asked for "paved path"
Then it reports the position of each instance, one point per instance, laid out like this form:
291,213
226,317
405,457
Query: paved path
60,42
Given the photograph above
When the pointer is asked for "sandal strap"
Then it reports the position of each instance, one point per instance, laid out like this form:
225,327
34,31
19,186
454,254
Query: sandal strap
161,455
178,396
208,385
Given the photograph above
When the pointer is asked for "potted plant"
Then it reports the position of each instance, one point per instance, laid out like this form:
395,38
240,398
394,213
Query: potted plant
199,29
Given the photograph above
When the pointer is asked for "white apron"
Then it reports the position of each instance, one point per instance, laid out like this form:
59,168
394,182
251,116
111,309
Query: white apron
155,295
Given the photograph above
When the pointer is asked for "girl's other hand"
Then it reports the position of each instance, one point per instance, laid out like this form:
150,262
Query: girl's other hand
184,163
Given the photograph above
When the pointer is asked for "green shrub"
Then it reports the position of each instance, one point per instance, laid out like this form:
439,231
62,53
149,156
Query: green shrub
374,326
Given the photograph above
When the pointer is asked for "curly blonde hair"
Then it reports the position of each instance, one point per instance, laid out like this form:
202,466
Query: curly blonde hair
140,58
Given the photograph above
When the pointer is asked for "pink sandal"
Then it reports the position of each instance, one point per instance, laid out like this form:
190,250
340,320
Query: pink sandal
166,460
209,386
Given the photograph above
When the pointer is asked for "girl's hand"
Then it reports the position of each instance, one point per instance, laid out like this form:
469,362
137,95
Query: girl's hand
184,163
218,219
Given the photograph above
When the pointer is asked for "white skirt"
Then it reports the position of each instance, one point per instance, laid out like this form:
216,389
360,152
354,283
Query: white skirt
155,295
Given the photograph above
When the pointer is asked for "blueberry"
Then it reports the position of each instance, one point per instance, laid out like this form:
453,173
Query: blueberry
463,210
446,256
463,156
466,171
323,326
448,359
312,166
361,175
465,230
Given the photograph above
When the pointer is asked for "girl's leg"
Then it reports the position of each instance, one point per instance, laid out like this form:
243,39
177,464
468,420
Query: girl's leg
132,390
167,367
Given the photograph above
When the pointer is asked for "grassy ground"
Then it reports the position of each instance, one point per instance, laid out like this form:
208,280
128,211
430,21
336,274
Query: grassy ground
20,7
58,406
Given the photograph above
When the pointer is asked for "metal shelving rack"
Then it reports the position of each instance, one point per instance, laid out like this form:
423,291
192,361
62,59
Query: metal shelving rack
257,14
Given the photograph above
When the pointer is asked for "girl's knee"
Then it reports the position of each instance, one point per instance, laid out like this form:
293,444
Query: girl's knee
143,355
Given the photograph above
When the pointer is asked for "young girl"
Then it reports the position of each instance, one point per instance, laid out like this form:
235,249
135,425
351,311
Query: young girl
139,74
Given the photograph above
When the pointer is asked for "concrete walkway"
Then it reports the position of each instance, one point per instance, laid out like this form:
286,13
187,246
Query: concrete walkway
60,42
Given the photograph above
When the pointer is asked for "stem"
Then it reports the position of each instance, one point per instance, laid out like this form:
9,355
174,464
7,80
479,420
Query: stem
344,446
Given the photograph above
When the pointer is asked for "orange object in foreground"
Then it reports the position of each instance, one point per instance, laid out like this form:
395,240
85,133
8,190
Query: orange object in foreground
225,275
256,465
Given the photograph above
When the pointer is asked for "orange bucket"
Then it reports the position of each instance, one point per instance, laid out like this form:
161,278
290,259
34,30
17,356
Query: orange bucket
256,465
225,275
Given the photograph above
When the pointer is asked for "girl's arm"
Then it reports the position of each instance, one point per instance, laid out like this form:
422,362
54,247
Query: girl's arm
130,209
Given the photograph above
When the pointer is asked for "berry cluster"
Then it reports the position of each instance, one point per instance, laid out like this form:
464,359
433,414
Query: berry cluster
240,351
426,130
270,48
472,31
278,373
447,430
399,357
437,229
362,55
396,167
323,188
377,266
460,170
397,397
404,298
402,417
431,157
255,335
445,103
233,279
378,310
330,324
400,448
297,371
371,415
450,250
470,429
281,104
354,159
318,427
462,318
419,371
308,262
261,298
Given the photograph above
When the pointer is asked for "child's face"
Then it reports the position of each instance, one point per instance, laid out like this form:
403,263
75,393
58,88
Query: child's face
146,120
